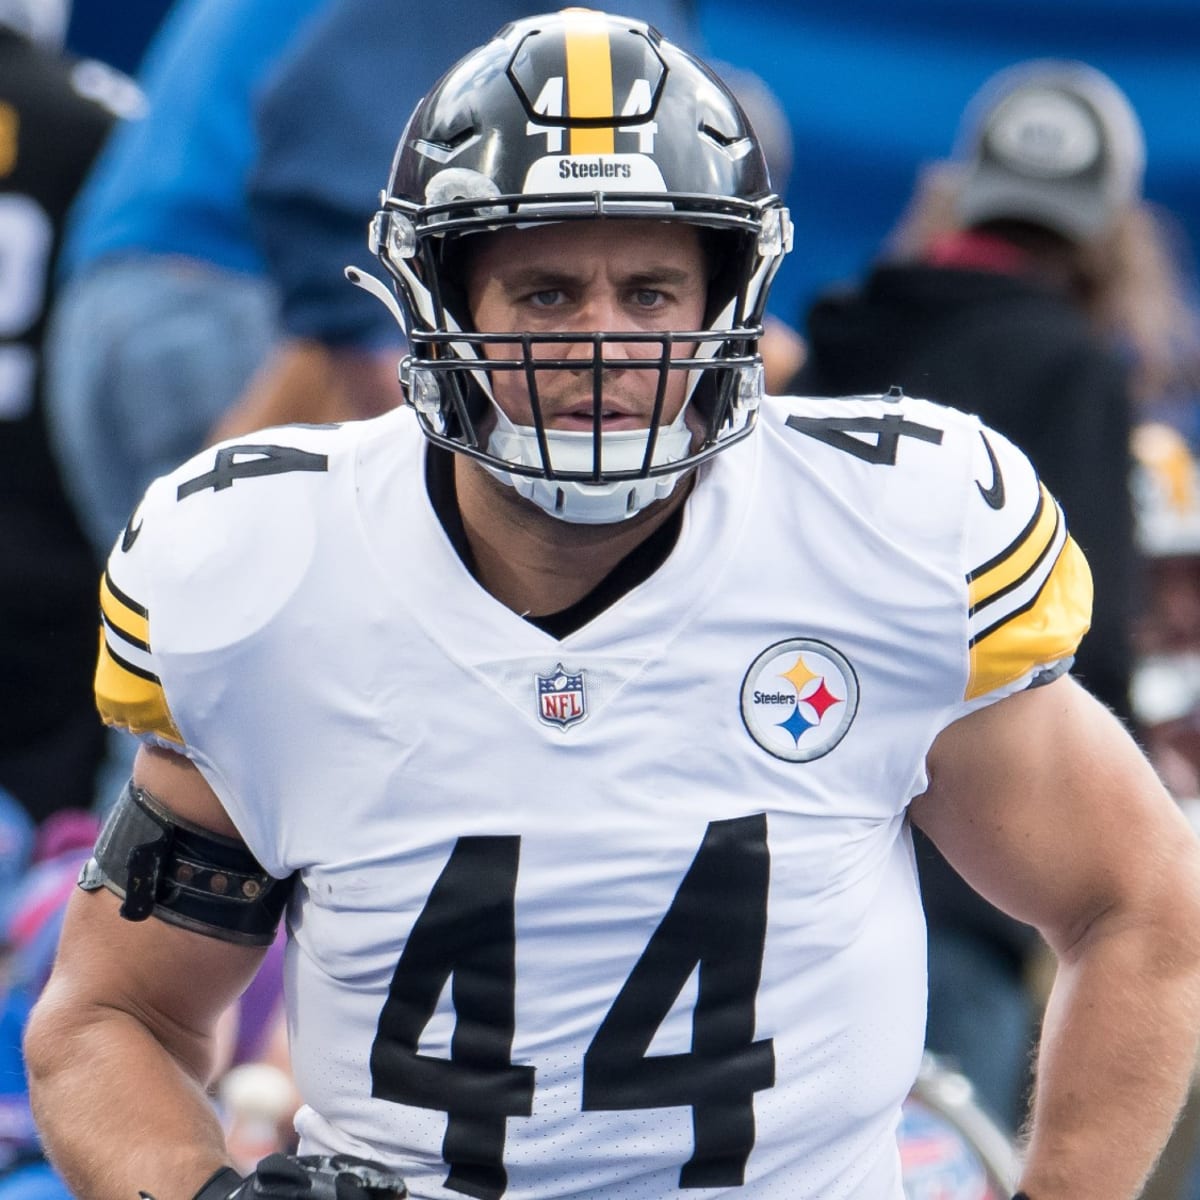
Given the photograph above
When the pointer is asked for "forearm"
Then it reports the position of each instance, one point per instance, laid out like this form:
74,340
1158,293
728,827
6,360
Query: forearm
142,1122
1116,1054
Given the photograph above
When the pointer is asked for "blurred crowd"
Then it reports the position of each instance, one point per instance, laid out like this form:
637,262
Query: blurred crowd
172,250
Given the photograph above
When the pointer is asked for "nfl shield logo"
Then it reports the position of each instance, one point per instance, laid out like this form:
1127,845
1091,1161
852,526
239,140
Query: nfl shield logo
562,700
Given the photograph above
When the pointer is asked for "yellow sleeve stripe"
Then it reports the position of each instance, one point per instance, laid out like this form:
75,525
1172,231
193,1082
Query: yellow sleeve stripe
1045,630
130,697
589,80
1019,558
124,615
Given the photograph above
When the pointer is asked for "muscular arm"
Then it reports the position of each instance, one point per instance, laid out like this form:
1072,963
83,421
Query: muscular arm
121,1045
1046,806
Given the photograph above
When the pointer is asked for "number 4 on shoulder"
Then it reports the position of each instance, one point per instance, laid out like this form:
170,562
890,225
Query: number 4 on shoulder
249,461
880,445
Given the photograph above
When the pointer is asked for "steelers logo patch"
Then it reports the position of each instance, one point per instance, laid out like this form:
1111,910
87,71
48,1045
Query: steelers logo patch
799,698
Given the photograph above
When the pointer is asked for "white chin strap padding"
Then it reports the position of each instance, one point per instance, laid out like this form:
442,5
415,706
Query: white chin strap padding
588,503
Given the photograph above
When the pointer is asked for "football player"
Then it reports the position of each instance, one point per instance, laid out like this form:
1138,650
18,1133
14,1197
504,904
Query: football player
576,714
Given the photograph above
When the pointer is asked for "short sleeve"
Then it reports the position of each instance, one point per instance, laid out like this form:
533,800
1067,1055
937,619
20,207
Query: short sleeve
129,690
1029,589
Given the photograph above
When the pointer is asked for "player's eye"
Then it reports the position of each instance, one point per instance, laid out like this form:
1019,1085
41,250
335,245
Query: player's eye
546,298
648,297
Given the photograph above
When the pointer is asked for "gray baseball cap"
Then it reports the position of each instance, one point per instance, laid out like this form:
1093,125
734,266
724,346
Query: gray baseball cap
1055,143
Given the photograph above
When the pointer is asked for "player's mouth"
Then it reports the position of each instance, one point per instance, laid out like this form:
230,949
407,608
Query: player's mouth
582,418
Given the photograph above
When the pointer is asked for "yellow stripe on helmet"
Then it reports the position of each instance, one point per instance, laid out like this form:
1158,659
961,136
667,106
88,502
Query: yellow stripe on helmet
589,80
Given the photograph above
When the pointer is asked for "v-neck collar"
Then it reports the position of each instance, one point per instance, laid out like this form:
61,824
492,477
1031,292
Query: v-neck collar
636,567
420,565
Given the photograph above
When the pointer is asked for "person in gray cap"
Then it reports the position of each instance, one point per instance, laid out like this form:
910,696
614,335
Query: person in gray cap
1028,282
1053,143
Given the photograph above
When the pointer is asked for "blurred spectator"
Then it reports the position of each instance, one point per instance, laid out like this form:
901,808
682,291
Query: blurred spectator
55,112
1166,682
1165,691
874,86
1028,283
165,312
253,1091
30,917
324,127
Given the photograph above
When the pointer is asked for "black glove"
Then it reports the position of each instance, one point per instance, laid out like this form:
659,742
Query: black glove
306,1177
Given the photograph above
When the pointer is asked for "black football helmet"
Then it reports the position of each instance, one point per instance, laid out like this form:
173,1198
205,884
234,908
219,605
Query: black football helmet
579,115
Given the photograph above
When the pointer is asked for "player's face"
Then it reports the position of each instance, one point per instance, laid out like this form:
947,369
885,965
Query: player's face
580,277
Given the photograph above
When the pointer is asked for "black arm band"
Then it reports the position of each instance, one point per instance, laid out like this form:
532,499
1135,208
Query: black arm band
165,867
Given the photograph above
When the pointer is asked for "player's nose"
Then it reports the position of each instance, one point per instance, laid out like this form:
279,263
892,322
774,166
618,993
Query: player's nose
603,312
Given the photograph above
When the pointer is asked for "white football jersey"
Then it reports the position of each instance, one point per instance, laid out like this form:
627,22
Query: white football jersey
629,913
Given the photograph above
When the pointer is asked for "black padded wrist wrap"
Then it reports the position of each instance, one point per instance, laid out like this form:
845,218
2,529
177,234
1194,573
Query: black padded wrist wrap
168,868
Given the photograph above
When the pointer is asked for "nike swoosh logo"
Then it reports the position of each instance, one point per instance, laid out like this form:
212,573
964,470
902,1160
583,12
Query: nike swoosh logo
994,495
130,534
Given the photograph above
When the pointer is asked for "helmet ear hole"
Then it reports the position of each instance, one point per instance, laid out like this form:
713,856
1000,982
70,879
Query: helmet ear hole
715,399
476,405
732,261
453,257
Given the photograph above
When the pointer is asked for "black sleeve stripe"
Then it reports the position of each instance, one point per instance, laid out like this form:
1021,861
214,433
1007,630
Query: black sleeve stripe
1032,570
126,665
129,603
124,635
1016,612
